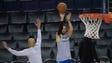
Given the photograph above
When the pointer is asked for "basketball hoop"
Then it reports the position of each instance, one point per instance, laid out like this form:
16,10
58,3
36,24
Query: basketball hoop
93,22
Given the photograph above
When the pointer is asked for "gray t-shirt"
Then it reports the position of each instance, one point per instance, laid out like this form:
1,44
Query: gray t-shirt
63,47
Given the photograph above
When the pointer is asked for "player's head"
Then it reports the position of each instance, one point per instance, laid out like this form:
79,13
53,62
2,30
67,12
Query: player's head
31,41
62,29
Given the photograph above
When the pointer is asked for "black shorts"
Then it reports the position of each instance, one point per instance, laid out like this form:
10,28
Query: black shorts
87,52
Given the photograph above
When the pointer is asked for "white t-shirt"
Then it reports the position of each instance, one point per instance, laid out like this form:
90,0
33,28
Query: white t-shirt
33,53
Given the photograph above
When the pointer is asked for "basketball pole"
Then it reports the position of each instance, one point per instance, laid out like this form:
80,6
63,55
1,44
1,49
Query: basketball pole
104,6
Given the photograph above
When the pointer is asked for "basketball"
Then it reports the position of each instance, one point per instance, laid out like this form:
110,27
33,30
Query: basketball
62,7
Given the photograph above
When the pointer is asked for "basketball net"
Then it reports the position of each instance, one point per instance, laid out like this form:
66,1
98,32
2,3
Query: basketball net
92,26
93,22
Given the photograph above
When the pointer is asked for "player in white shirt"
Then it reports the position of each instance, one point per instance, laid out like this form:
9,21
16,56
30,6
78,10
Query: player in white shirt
34,51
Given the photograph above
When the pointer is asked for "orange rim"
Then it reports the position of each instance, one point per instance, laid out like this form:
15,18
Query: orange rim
107,17
92,15
110,14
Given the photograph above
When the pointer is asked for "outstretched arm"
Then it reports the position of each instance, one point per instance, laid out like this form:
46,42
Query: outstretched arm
70,31
60,26
38,25
17,53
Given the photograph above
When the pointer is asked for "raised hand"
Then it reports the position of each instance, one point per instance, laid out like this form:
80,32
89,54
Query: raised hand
5,44
68,17
62,16
38,23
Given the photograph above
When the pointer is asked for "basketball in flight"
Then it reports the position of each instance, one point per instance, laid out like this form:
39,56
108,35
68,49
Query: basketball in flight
62,7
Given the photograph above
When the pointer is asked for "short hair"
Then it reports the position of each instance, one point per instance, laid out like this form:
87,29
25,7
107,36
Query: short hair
31,37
